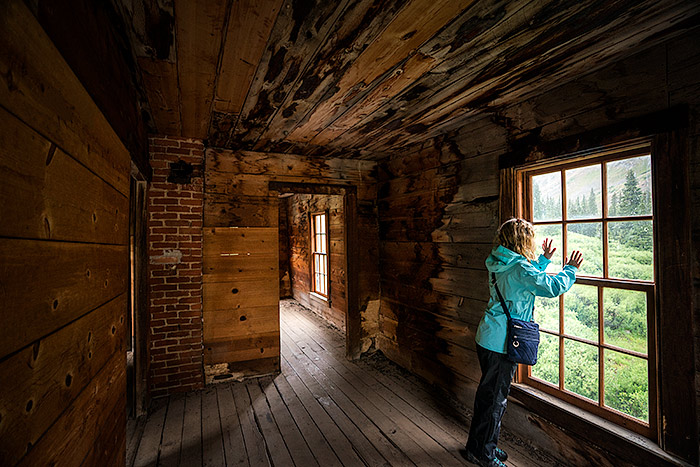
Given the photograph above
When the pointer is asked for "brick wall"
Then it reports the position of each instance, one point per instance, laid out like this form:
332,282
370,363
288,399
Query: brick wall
175,269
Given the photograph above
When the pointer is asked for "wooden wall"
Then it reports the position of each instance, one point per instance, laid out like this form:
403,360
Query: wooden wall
300,208
92,38
439,208
63,259
237,194
284,271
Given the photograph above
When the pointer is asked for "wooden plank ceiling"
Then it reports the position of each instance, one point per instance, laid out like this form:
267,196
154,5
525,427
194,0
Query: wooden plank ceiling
364,78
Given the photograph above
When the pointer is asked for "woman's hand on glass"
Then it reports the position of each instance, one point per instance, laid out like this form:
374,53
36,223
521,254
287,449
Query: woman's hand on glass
547,247
575,260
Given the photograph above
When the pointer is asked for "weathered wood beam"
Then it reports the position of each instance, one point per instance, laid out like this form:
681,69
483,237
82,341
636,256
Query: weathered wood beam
248,29
301,28
398,40
199,29
361,24
529,50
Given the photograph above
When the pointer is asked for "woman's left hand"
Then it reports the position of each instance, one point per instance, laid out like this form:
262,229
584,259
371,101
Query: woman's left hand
547,247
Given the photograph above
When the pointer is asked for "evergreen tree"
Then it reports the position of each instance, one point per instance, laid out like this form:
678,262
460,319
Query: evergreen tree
613,209
593,206
631,200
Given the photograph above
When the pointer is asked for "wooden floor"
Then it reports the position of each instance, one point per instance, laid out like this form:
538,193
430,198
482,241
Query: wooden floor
320,411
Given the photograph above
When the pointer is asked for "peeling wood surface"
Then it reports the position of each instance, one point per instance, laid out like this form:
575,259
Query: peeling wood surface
362,78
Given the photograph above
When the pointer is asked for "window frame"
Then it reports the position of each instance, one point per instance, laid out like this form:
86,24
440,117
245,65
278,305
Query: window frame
522,205
313,253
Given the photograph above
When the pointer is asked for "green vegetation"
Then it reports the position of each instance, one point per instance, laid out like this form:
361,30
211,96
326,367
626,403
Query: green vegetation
630,245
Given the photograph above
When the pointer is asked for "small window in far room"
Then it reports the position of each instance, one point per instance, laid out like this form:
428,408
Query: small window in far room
597,344
319,253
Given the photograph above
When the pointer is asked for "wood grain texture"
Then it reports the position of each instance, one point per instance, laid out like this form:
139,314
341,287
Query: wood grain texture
300,209
160,81
64,261
41,296
199,30
247,31
43,378
56,198
73,435
41,90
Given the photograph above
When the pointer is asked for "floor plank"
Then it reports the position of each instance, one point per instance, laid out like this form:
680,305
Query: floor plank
273,438
191,451
172,432
368,382
321,410
254,441
212,441
234,445
147,454
312,434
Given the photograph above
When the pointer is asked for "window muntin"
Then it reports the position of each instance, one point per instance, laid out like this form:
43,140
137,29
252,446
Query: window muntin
319,254
596,339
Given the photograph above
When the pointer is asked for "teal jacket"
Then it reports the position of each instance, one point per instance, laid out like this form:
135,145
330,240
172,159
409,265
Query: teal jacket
519,281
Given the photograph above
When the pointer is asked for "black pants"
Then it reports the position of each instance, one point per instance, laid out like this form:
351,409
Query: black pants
490,402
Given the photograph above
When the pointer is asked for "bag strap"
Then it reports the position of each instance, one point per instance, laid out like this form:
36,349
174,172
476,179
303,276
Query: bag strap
500,297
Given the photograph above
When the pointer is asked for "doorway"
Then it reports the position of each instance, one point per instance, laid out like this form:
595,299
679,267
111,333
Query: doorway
137,308
321,232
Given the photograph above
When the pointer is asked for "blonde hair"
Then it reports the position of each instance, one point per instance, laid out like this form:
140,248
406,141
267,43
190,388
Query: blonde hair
517,235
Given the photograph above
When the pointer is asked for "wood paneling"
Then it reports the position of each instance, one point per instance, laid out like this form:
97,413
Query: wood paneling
160,79
300,208
247,31
57,197
45,94
246,176
199,28
64,261
240,293
74,434
40,380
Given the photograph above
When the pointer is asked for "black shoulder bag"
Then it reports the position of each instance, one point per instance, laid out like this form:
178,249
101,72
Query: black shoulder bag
523,336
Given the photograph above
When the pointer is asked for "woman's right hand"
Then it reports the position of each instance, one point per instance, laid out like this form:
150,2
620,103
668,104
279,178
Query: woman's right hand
575,260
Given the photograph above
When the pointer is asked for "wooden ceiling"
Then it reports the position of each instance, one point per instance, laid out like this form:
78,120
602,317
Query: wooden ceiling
364,78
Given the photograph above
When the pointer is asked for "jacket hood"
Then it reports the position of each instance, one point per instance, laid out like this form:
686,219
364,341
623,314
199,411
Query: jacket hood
501,259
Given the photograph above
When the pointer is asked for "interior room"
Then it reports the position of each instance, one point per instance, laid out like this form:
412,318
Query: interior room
272,232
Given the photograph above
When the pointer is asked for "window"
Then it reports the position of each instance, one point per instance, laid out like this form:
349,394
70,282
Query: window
319,253
597,346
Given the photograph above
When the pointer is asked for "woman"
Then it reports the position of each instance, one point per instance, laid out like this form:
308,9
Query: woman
520,278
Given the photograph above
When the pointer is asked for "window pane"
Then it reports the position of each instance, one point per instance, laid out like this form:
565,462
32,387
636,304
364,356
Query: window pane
553,232
629,187
588,239
581,369
547,367
583,193
631,250
627,384
546,197
581,312
547,313
625,318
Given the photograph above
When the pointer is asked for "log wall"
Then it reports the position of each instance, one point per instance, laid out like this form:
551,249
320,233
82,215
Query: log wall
439,208
64,264
301,207
237,194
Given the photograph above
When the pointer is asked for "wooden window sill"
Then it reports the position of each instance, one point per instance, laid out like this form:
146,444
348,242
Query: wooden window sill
597,430
319,297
